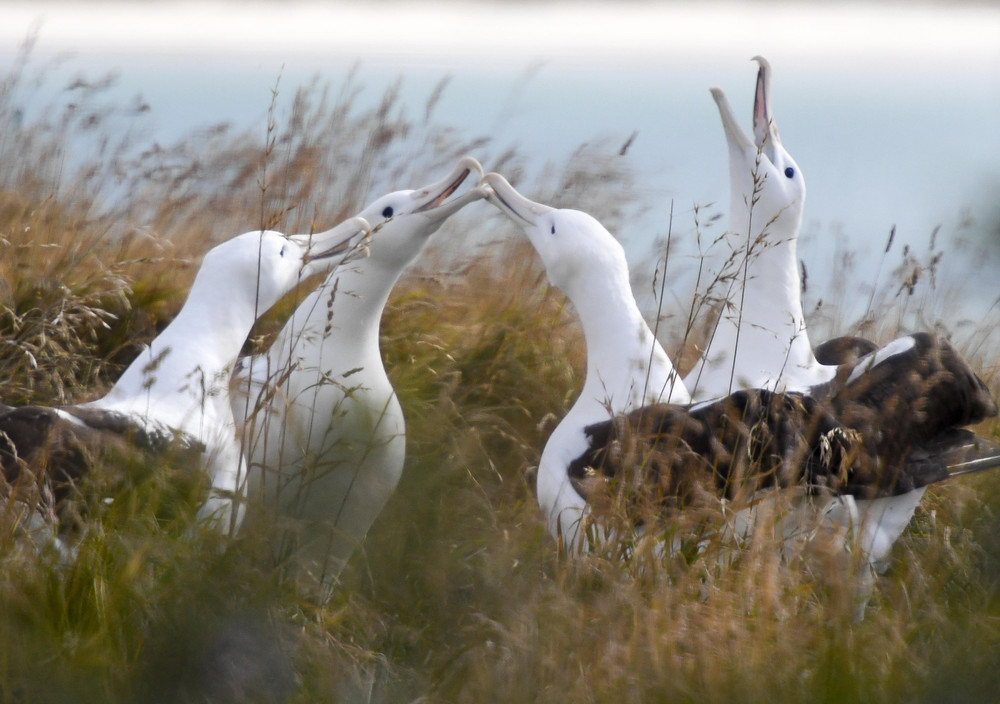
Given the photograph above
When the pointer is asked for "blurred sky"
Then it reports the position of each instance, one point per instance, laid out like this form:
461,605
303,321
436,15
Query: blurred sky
892,110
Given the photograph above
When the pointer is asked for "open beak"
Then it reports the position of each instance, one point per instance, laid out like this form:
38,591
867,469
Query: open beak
431,200
765,131
510,202
335,244
735,135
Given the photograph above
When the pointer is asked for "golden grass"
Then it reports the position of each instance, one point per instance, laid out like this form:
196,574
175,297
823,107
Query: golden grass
458,595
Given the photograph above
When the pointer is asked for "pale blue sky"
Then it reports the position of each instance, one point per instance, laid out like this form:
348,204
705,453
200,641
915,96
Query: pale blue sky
891,110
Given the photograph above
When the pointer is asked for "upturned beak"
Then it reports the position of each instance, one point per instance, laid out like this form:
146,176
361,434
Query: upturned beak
737,138
765,130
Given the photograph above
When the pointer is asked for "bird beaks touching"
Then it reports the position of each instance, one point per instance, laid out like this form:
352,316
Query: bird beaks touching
336,244
434,197
501,194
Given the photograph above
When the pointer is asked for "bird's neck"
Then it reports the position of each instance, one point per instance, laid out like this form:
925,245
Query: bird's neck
766,280
341,317
626,369
189,363
626,366
761,333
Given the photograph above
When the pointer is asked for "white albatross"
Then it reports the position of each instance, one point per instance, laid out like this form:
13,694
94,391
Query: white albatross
175,395
324,431
626,366
760,339
866,441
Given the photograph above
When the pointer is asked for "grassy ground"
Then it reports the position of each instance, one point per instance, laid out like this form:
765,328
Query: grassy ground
458,595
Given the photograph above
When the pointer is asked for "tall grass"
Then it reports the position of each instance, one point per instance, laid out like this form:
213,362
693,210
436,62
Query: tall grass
458,594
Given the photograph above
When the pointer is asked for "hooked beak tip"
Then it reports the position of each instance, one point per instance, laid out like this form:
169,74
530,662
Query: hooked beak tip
359,236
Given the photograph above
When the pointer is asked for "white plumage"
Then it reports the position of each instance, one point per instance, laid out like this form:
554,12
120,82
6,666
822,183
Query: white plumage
627,370
760,339
626,366
174,397
324,432
181,381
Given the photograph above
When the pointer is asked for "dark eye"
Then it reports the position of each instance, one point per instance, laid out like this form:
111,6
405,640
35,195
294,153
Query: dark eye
789,171
553,229
283,248
387,213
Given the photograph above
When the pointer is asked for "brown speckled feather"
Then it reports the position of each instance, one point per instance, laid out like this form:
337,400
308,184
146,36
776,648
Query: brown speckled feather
883,427
46,456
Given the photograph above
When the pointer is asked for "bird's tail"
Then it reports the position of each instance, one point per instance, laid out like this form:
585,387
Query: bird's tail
954,453
966,453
